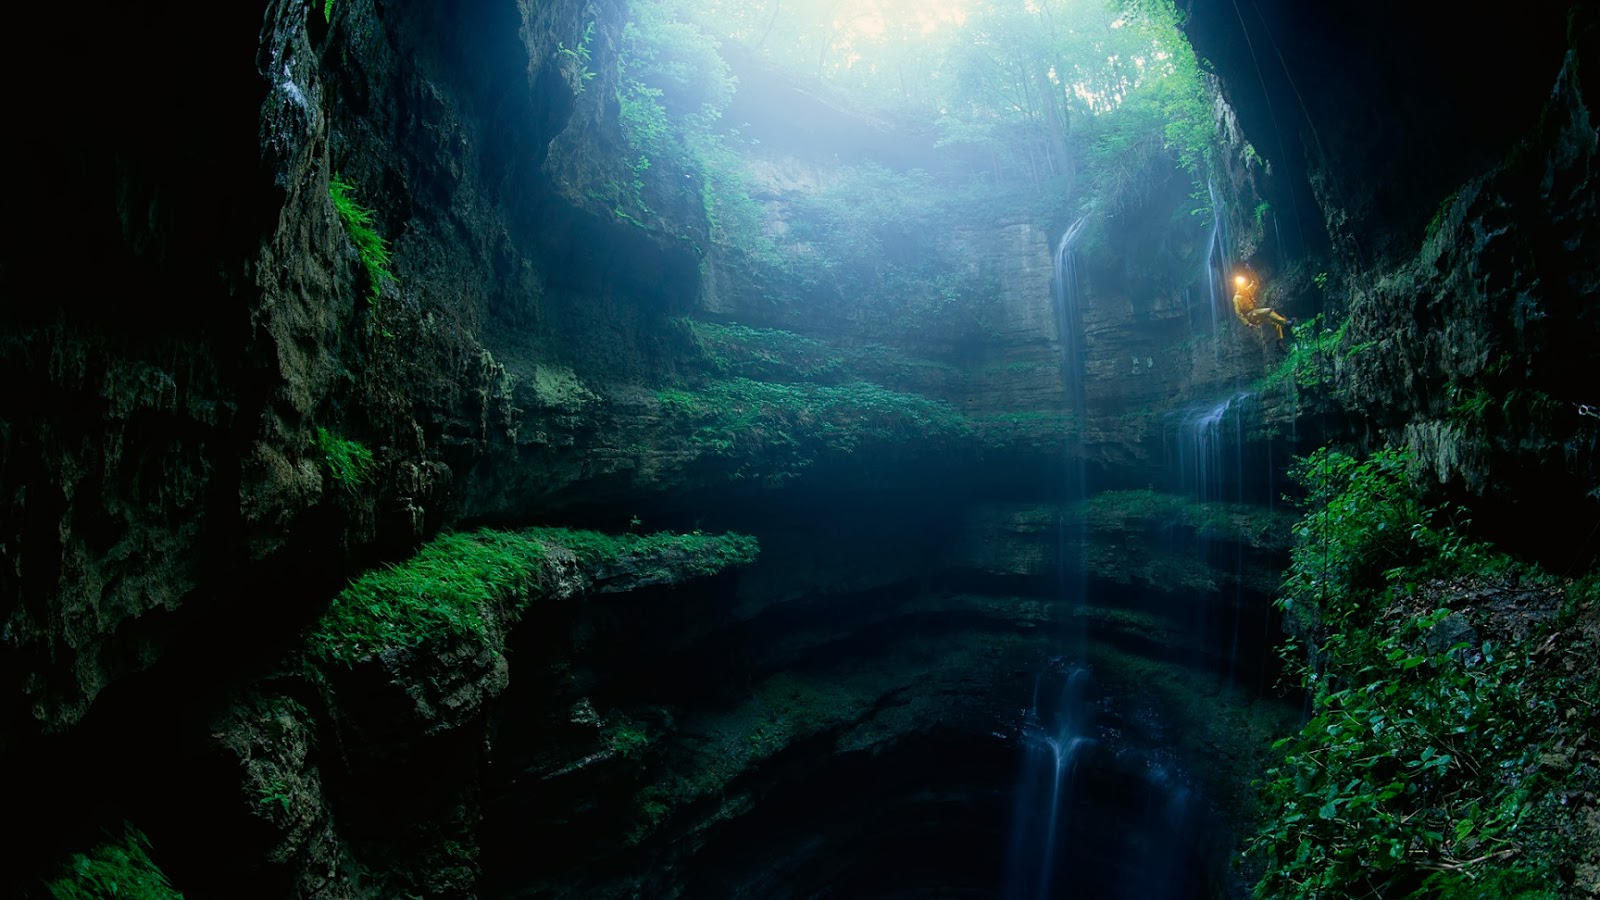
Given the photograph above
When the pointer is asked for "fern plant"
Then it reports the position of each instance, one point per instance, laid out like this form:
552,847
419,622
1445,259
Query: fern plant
117,868
370,246
350,462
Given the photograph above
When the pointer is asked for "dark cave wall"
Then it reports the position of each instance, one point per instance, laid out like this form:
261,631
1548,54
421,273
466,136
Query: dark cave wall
1371,114
1483,348
130,365
1459,234
160,452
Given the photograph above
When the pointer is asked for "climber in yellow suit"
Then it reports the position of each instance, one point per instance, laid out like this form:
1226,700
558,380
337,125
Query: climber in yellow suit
1244,305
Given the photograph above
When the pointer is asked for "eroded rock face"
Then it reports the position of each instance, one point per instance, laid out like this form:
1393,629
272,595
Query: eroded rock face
126,359
1458,243
1366,114
1477,354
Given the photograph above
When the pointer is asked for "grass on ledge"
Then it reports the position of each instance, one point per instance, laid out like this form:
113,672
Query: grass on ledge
449,586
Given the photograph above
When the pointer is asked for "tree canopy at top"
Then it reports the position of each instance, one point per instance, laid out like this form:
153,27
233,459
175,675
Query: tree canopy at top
1019,79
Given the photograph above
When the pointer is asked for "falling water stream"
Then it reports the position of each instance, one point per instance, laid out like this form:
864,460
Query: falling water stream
1053,738
1209,460
1065,290
1055,728
1216,256
1150,834
1095,822
1204,448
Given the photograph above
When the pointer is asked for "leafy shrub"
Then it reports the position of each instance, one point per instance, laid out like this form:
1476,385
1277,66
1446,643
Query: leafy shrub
678,62
1431,752
1414,775
1358,525
1315,360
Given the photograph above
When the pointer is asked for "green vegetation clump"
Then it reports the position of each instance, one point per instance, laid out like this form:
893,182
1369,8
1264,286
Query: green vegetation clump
1120,541
1315,359
579,58
559,388
658,557
776,431
672,85
1032,433
1449,725
626,739
275,793
1488,404
121,869
350,462
370,246
1440,215
457,582
444,589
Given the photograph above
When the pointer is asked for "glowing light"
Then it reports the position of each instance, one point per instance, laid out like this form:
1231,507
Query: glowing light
876,21
1240,280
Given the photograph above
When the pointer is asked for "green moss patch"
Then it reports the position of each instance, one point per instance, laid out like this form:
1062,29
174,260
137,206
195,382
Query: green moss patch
456,582
1037,433
652,558
769,354
738,351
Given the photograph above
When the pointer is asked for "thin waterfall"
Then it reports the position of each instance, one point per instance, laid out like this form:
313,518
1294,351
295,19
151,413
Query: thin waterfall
1055,726
1217,255
1210,468
1065,289
1203,448
1054,736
